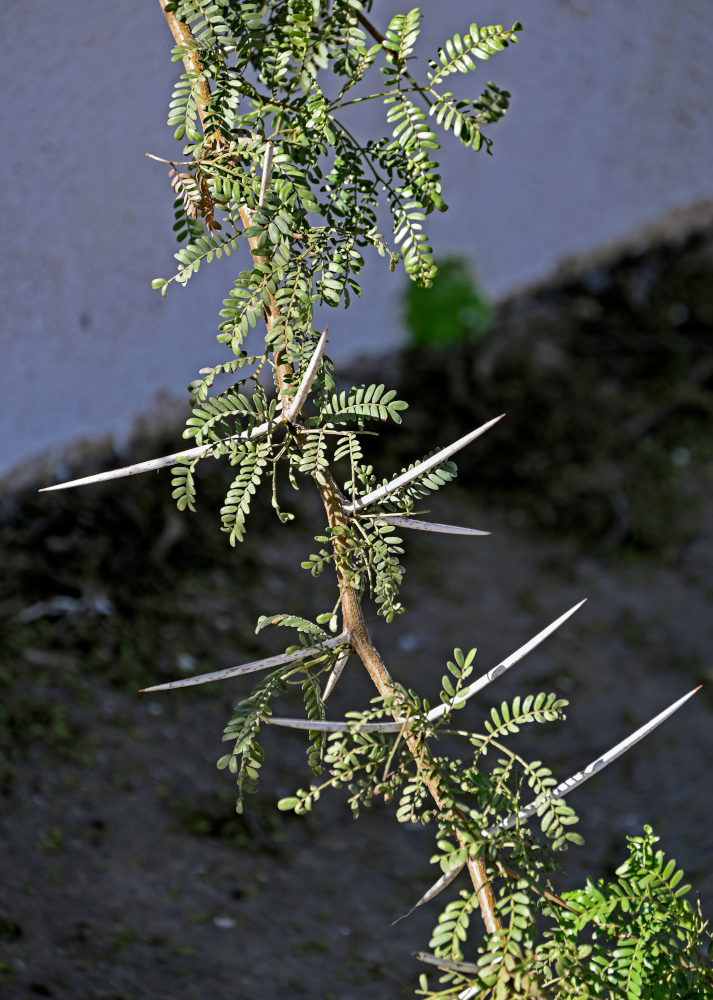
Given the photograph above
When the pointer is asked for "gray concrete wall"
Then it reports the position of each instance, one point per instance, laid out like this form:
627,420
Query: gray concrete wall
609,134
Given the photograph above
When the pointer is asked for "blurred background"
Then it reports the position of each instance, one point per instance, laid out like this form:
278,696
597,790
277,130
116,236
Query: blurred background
575,293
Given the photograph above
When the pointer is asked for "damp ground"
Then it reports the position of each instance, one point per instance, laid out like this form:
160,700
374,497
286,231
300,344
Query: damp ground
125,872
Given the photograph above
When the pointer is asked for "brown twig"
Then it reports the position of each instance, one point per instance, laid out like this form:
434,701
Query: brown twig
352,612
552,897
371,28
182,34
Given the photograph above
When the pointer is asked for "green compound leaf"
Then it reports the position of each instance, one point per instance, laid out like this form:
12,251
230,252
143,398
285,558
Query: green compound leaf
252,461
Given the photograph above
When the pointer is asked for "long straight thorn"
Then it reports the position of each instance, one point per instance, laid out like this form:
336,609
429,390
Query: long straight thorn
248,668
443,882
469,968
154,463
504,665
335,674
418,470
444,529
307,379
336,726
565,787
266,171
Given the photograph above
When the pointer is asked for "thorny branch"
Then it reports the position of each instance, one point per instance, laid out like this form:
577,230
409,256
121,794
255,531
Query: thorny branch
352,612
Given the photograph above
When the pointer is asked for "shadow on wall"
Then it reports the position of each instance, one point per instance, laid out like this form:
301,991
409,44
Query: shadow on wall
453,309
607,381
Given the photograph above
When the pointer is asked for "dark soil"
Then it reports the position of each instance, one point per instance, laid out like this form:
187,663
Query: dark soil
126,872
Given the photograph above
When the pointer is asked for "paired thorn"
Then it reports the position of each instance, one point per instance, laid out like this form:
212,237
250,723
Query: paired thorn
560,791
205,449
444,529
155,463
435,713
565,787
248,668
418,470
292,412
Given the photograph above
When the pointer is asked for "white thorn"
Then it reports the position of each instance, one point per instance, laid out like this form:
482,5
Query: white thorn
335,674
248,668
501,667
445,529
266,171
429,463
443,882
565,787
341,726
344,725
155,463
469,968
471,992
307,379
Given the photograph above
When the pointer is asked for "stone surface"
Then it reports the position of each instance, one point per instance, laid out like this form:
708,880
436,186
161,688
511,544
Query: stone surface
608,136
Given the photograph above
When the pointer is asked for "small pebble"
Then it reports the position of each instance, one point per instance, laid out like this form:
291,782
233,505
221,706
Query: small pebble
408,642
678,313
186,662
